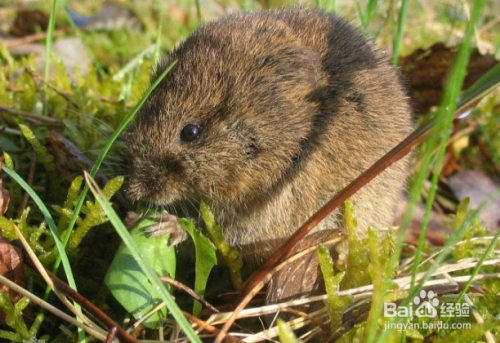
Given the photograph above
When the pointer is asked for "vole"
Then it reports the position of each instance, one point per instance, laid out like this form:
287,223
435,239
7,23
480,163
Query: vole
265,117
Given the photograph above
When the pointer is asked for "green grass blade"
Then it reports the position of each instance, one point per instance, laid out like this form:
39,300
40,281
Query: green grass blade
361,17
148,271
444,122
475,271
328,5
398,37
161,13
130,66
48,52
50,222
370,10
198,11
450,244
483,86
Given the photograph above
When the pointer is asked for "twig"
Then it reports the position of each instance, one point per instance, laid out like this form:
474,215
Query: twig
10,43
65,95
477,316
201,323
91,308
186,289
363,292
32,118
111,334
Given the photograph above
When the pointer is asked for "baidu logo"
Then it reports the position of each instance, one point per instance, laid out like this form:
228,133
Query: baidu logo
423,305
426,305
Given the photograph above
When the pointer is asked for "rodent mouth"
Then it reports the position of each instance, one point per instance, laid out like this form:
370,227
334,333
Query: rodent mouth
136,190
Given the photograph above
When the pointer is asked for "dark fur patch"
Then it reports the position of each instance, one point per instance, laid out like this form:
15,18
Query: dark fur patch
358,99
248,137
253,149
340,67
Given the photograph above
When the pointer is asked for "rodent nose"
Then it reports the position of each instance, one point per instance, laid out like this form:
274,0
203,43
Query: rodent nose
171,164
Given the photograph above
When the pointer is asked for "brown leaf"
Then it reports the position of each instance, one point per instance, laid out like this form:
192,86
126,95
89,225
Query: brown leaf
28,22
478,186
68,159
4,195
11,267
426,70
302,277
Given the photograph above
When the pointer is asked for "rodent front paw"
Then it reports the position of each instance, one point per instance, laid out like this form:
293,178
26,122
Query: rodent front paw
168,225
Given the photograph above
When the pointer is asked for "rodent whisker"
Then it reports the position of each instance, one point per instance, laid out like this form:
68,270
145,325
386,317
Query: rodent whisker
93,119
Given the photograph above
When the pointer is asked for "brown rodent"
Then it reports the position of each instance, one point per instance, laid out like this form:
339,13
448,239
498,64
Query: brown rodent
265,117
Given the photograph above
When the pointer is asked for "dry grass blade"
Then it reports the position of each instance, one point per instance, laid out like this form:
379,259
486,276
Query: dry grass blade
35,119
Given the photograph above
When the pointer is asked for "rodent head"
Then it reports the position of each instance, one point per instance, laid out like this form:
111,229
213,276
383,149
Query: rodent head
227,122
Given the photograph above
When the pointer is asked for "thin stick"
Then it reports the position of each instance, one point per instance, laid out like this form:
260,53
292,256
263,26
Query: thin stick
33,118
186,289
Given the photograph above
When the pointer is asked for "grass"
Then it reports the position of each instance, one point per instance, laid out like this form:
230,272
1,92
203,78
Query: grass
104,102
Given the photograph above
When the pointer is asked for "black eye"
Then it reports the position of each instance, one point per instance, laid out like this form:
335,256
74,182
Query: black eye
190,132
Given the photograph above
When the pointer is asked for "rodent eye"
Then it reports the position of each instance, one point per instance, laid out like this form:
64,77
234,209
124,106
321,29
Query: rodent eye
190,133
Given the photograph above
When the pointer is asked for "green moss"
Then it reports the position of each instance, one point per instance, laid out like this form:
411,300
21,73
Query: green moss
336,304
15,320
356,266
94,215
230,256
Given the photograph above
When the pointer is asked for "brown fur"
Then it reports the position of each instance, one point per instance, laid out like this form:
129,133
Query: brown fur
294,104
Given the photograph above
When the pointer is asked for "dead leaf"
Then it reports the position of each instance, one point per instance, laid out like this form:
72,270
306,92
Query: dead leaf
478,186
11,267
67,157
426,70
302,277
4,195
28,22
